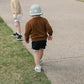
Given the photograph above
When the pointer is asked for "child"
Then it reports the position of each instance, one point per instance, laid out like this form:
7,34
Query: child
16,9
37,27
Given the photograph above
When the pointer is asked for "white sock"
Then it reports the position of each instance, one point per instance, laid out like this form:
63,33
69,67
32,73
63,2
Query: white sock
38,66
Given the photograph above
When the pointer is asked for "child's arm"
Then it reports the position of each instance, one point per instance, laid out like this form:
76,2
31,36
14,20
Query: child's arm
17,8
27,32
15,16
49,30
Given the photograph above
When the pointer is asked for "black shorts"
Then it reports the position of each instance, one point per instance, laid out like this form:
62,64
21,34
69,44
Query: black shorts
36,45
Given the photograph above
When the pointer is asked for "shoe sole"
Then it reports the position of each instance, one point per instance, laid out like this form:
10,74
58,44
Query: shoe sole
38,71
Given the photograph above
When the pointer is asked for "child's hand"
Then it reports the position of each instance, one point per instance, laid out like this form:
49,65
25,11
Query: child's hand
49,37
27,41
22,14
15,17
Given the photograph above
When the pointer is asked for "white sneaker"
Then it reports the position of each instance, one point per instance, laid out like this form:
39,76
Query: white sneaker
38,68
41,60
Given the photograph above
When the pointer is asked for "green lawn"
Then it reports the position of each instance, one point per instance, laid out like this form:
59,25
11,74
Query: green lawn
81,0
16,63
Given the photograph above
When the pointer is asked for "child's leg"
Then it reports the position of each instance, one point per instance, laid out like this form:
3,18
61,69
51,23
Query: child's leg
17,24
41,53
36,57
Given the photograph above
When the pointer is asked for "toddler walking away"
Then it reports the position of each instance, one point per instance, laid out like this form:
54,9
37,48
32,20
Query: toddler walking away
16,10
38,28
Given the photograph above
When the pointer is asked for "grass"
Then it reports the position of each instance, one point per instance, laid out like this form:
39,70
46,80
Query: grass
81,0
1,20
16,62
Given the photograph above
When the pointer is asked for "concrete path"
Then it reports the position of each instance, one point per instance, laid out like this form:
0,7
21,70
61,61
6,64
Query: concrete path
64,56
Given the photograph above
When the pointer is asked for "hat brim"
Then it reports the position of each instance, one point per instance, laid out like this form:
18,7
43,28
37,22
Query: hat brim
35,14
